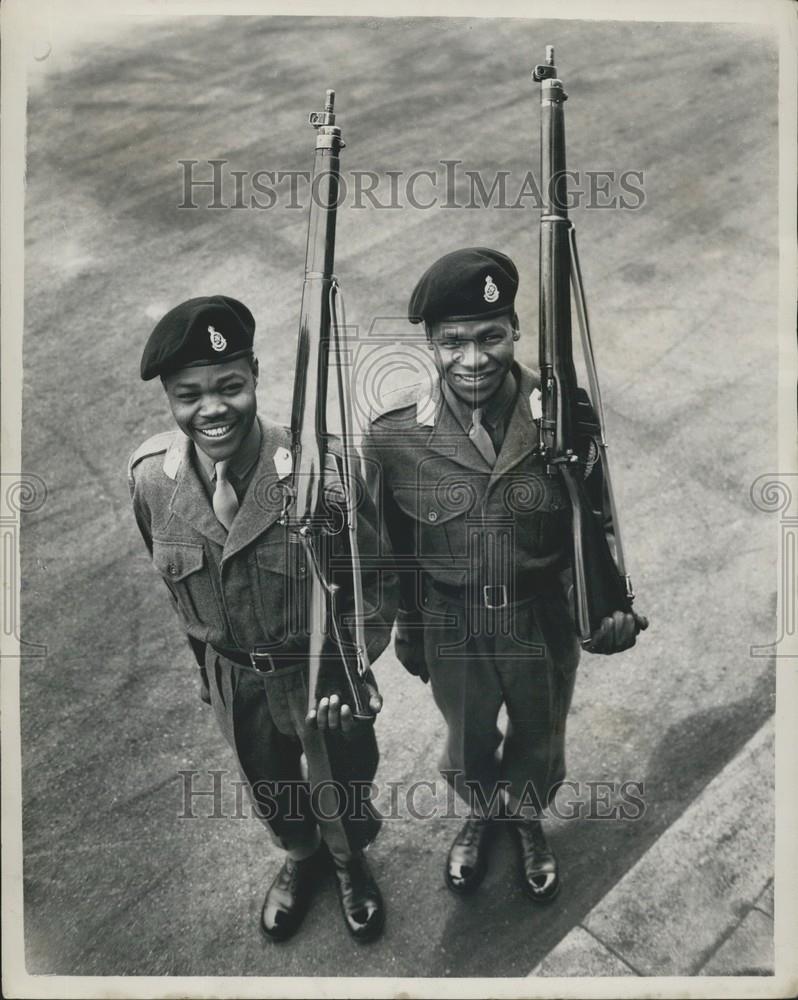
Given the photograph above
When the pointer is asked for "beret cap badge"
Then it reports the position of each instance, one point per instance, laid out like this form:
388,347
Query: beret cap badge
218,343
191,335
491,293
468,284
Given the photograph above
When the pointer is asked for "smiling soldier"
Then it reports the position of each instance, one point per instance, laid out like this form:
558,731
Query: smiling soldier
208,500
483,536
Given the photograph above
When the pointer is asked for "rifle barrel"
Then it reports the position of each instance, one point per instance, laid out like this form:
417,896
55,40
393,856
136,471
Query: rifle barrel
306,514
601,586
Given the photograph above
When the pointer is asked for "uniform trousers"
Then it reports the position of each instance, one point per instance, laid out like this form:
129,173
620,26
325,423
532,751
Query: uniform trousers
262,716
523,656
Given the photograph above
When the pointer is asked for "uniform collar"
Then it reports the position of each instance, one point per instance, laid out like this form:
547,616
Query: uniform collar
241,463
262,502
521,436
493,412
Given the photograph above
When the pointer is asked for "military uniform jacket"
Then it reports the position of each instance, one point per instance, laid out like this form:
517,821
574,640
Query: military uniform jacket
246,587
460,522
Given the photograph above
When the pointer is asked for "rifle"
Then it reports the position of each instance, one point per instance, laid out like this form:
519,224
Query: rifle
307,514
601,583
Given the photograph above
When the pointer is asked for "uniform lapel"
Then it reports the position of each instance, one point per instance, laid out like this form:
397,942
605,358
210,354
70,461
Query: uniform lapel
263,501
450,440
190,501
522,436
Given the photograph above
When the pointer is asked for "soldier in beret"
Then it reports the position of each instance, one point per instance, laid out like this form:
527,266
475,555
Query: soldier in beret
208,498
483,536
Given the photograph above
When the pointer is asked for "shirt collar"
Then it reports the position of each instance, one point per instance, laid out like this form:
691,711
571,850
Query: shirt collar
492,412
242,462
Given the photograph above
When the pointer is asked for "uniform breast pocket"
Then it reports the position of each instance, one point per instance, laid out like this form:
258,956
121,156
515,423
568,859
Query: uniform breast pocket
441,513
278,555
183,567
554,520
540,510
281,585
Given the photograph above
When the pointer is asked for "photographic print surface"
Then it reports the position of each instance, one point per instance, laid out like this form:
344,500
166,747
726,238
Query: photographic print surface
168,158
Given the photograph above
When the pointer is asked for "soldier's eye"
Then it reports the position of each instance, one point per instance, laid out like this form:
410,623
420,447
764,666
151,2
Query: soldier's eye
231,390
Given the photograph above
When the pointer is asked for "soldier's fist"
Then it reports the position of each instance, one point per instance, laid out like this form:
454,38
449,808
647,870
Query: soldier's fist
333,713
617,633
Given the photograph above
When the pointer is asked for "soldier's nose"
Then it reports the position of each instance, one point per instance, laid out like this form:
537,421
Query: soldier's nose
470,357
213,406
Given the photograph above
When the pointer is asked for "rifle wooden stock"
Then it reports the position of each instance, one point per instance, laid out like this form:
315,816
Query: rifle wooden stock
601,585
307,514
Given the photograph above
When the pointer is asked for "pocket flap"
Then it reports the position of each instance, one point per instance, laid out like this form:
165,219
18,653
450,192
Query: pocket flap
436,504
177,560
275,550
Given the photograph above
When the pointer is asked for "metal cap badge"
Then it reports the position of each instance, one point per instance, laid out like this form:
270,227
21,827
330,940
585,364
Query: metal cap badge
218,343
191,334
491,292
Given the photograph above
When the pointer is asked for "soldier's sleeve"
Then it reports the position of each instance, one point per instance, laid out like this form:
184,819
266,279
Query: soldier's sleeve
141,510
394,532
143,516
379,578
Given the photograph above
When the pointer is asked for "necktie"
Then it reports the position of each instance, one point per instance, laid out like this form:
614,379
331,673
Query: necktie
479,435
225,501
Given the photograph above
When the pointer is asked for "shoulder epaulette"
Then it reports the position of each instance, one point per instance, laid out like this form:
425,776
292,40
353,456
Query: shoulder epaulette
156,445
398,399
421,395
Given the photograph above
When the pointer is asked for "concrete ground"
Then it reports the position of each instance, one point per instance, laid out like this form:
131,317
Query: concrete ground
700,901
682,295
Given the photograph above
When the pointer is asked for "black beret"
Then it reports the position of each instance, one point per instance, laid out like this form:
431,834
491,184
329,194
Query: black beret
202,331
475,283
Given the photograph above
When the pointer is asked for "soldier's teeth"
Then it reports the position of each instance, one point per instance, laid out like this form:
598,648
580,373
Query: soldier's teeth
215,431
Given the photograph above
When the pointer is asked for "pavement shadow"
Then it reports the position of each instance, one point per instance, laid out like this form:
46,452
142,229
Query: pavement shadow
595,854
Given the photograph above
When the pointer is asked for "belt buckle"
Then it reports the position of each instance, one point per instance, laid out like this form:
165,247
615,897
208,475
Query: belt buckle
261,660
489,595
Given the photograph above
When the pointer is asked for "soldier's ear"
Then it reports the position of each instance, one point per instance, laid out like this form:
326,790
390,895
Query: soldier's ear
516,327
253,363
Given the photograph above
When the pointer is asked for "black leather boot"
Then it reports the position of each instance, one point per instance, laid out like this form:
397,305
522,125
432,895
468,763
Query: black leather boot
467,861
289,895
360,897
541,872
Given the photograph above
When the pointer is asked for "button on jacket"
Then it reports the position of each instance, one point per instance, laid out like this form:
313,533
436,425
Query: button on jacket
484,557
235,589
247,587
460,519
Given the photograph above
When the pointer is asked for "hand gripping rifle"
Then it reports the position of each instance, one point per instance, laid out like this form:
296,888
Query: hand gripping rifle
601,583
332,644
